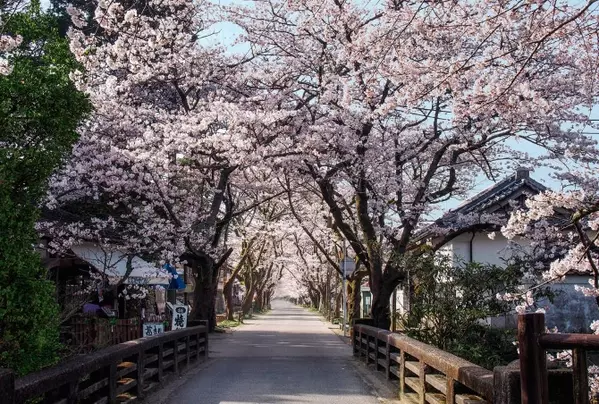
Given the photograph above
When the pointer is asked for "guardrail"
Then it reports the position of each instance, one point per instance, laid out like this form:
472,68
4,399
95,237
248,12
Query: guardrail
533,342
120,373
425,374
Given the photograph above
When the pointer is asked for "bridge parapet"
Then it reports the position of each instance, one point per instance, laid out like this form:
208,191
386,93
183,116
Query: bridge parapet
424,373
120,373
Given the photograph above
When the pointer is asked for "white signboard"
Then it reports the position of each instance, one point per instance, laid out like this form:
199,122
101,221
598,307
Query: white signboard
347,266
179,317
151,329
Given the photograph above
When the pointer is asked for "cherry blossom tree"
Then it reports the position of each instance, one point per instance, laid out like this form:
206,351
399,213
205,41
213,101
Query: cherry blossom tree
562,228
319,246
8,41
251,240
398,106
159,165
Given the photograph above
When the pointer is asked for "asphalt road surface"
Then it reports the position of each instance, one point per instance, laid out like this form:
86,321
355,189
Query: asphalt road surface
287,356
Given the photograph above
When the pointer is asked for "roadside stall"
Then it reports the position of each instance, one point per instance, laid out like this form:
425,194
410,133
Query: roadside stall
130,293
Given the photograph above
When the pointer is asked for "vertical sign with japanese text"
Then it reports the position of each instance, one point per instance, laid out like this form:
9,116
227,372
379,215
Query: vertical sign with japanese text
179,317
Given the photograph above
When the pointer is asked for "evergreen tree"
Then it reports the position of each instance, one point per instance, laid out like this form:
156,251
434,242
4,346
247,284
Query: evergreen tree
40,110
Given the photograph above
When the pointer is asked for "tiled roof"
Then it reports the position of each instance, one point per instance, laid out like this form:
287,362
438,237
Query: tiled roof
498,193
490,199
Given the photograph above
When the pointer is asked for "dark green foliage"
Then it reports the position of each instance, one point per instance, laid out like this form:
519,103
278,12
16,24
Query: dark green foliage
486,346
449,303
39,112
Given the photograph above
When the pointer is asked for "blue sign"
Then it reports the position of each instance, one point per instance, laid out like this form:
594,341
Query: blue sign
177,281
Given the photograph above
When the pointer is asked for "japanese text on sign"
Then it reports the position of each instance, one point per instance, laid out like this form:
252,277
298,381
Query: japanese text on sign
179,317
151,329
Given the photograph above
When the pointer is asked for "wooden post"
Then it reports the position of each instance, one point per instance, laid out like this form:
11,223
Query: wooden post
378,354
367,349
112,370
176,355
160,362
187,351
206,342
580,376
141,368
73,392
402,374
360,343
422,382
7,386
388,359
197,346
450,393
533,363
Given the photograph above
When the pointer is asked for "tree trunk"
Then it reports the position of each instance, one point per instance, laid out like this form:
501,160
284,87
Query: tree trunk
381,314
259,300
381,311
205,291
381,302
313,294
247,301
228,295
323,298
317,298
354,297
338,303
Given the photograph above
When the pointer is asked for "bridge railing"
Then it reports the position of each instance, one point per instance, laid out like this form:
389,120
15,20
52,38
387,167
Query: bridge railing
424,373
120,373
533,342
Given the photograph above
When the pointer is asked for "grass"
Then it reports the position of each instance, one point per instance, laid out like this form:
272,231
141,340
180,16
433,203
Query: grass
228,324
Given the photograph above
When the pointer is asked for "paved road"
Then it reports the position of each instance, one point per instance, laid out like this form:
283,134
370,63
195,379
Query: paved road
288,356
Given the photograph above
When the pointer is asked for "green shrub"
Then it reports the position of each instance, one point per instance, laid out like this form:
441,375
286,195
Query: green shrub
486,346
449,303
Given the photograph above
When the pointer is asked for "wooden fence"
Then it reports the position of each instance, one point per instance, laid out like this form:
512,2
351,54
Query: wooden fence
94,332
424,374
120,373
533,342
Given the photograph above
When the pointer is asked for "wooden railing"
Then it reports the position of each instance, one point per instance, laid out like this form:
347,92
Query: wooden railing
533,342
120,373
424,374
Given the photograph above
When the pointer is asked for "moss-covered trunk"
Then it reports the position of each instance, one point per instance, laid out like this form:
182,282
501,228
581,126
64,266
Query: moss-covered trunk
354,297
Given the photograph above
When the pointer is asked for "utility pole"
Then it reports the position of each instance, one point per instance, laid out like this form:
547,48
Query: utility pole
344,290
328,294
394,310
